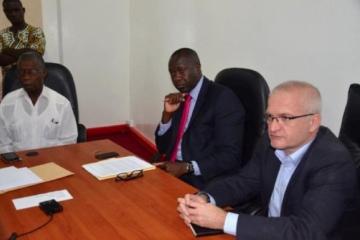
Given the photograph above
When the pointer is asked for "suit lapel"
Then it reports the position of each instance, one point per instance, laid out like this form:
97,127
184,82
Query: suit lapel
200,101
272,169
300,170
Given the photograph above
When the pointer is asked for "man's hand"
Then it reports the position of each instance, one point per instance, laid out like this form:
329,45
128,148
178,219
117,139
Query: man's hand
171,104
194,209
176,169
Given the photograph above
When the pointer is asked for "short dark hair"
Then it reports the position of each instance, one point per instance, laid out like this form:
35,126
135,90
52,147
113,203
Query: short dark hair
32,55
188,53
8,1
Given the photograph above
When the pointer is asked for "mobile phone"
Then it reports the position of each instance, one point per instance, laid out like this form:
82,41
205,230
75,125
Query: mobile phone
105,155
10,157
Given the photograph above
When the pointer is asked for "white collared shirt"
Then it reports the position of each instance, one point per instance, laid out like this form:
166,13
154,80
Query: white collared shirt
23,126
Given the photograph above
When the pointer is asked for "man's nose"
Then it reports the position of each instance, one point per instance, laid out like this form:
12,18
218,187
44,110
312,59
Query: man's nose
273,125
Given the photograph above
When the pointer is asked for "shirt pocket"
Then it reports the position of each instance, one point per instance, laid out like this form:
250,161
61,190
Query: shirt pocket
51,129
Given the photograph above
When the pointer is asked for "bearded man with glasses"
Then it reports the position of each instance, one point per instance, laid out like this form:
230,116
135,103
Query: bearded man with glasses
304,176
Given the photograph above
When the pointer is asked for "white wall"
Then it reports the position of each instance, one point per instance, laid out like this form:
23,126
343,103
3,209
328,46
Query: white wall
118,49
316,41
92,40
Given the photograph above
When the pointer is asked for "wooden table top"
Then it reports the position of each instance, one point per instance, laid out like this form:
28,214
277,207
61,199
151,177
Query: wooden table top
143,208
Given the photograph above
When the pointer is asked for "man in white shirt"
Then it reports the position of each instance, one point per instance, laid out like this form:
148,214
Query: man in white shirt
35,116
304,176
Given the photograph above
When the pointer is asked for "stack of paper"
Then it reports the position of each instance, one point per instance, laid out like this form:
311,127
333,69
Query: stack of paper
12,178
111,167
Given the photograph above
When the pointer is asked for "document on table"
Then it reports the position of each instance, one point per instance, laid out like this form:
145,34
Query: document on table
32,201
12,177
111,167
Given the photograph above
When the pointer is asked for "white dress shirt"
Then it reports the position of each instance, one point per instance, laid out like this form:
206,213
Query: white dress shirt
23,126
163,128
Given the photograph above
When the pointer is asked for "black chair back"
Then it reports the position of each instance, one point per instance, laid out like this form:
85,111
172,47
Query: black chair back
350,125
253,91
59,79
349,135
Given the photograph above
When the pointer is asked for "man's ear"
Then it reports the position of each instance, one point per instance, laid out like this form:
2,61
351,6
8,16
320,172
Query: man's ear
198,68
45,72
315,122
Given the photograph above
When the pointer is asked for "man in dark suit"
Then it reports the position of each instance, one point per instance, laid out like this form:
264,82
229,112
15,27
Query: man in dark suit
211,142
304,176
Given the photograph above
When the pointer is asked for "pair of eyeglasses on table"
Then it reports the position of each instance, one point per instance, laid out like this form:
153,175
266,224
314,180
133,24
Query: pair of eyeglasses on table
129,175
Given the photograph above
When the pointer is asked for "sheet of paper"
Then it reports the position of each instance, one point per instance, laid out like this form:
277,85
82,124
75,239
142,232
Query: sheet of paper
111,167
11,178
50,171
32,201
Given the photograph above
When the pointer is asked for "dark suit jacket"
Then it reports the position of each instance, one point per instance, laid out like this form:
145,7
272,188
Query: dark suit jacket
320,189
214,135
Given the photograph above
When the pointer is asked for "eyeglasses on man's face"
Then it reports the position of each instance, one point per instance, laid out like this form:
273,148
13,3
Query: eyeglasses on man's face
283,119
130,175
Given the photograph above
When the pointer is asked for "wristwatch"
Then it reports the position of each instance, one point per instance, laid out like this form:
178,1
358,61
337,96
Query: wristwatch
189,168
205,195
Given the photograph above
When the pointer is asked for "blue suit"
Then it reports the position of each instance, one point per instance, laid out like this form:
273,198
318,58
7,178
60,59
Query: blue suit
214,135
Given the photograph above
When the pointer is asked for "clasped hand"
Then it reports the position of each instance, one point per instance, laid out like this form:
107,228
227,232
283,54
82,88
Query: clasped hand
194,209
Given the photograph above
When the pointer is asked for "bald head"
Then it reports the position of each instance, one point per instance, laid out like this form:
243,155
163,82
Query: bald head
187,53
307,95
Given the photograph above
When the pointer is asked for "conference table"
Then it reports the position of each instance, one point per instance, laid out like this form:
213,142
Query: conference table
142,208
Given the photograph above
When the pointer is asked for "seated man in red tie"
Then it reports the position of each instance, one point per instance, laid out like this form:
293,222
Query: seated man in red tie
201,128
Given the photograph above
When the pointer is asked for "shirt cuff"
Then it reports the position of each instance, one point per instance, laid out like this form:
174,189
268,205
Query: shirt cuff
196,168
163,127
231,223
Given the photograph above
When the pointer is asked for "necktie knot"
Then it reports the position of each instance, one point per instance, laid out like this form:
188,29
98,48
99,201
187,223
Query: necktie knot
187,97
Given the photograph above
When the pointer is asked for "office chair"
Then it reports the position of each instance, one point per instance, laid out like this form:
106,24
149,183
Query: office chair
349,135
350,126
252,90
59,79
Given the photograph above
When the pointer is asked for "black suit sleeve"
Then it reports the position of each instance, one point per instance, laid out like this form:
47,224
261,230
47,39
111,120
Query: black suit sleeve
242,186
163,141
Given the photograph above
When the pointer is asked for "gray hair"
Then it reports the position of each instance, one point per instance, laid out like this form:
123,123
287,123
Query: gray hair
311,95
34,56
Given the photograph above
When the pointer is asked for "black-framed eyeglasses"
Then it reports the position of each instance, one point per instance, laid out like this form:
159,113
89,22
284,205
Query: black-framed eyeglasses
283,118
129,175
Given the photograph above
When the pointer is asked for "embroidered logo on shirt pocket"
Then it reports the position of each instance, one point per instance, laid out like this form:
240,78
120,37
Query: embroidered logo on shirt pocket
51,129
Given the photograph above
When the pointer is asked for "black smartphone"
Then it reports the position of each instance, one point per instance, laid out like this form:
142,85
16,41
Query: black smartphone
10,157
105,155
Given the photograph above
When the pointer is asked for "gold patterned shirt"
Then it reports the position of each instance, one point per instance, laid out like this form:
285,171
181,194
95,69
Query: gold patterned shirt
30,37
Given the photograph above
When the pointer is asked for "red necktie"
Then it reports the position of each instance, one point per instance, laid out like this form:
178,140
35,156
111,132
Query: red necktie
181,129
